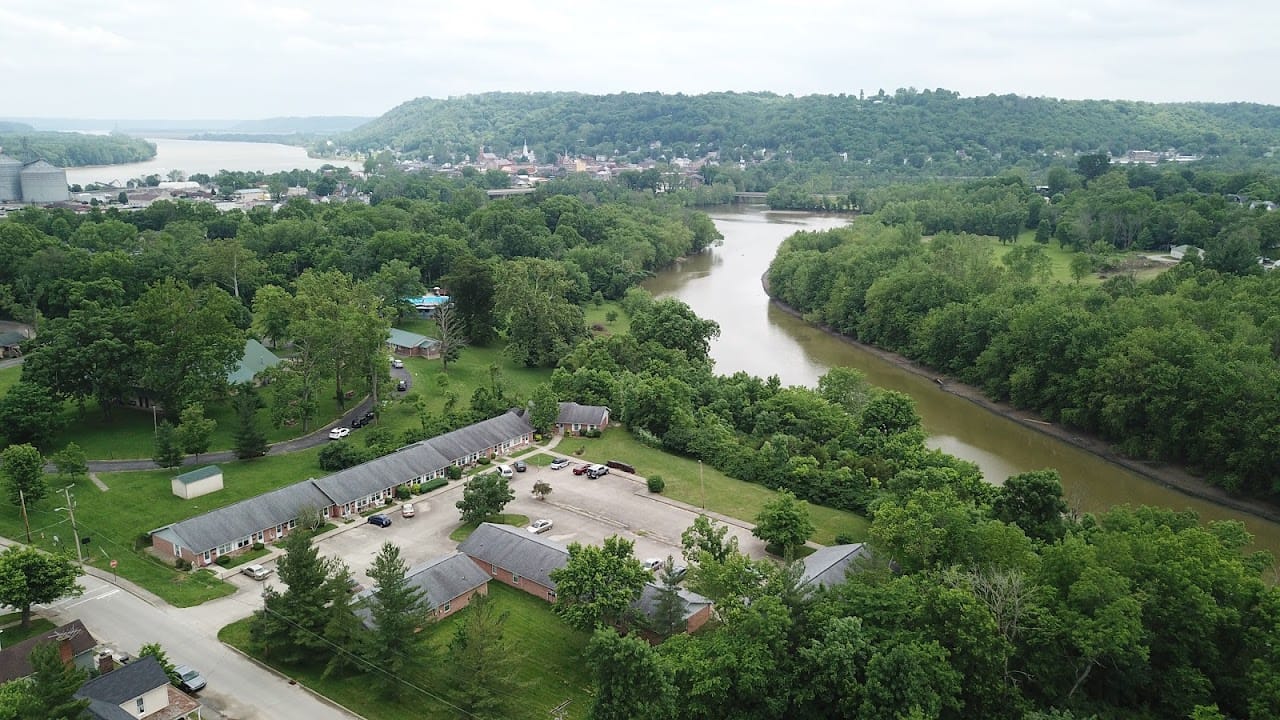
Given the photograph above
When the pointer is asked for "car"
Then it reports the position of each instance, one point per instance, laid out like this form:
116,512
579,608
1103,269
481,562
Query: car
653,564
559,464
380,520
505,471
619,465
402,386
357,422
368,417
540,526
338,433
580,469
519,466
407,510
257,572
597,471
189,679
354,586
397,363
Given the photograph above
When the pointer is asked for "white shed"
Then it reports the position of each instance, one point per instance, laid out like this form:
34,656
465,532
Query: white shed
201,481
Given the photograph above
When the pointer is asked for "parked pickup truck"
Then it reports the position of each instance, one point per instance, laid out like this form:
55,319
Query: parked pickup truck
257,572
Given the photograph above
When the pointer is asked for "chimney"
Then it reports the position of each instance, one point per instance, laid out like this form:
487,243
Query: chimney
105,663
65,652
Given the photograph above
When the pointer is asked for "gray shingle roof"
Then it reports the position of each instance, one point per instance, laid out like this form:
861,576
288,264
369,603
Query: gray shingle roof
217,527
99,710
651,594
442,580
255,359
517,550
381,473
829,565
125,682
485,434
572,413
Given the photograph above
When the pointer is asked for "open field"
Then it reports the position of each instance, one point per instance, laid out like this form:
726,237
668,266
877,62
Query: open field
1060,259
549,661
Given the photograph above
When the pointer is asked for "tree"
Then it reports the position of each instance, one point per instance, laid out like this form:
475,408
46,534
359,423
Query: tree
272,313
250,440
670,323
1033,501
343,629
167,452
30,413
707,537
544,408
484,662
398,612
598,584
1234,251
53,684
472,288
195,431
1081,266
784,523
23,469
484,495
630,679
71,464
453,334
29,576
156,651
1093,166
290,627
541,489
668,614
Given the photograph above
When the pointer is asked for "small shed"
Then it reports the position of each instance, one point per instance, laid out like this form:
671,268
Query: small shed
200,481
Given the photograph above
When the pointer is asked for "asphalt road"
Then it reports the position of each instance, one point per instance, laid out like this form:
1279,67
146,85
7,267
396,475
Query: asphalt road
238,689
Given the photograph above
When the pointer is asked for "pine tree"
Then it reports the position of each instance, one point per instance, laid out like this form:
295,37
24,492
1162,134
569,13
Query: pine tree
343,629
668,614
398,612
167,453
483,661
250,440
53,687
291,625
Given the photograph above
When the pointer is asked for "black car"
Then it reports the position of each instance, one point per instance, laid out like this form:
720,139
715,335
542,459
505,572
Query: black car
519,466
402,386
358,422
380,520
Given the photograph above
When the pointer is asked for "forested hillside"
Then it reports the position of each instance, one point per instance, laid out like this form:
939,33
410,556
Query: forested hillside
75,149
930,132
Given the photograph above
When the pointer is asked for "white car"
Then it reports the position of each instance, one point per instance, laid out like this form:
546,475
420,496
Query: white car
407,510
654,564
540,526
338,433
559,464
257,572
397,363
505,471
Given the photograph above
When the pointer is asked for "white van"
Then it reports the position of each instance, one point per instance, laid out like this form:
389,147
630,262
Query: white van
505,471
596,471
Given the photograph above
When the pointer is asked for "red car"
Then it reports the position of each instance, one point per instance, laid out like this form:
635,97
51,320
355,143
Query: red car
580,469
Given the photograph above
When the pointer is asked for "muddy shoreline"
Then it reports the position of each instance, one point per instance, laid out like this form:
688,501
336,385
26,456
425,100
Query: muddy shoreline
1171,476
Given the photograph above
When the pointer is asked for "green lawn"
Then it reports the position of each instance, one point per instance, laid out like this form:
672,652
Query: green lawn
138,502
1060,259
11,630
550,666
686,479
598,315
9,376
462,532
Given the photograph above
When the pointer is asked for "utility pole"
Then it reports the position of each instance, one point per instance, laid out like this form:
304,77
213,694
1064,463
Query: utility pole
22,498
74,532
703,482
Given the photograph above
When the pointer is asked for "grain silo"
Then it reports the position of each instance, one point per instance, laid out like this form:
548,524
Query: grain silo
10,179
44,183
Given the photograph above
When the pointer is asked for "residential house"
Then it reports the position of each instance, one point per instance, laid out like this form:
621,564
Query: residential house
256,358
403,342
137,691
75,644
524,560
447,584
830,566
577,419
426,305
1177,252
265,518
11,344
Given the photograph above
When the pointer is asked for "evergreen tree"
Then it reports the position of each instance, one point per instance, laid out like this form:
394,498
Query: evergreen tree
167,454
668,614
291,625
53,687
343,628
483,661
399,612
250,440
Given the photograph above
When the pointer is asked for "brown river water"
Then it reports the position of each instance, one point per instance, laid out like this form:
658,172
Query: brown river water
757,337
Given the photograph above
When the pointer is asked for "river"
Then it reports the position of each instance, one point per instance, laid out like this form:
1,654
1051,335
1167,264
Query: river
723,284
205,156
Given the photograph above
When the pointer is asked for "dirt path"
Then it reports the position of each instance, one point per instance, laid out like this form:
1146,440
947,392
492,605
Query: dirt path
1172,476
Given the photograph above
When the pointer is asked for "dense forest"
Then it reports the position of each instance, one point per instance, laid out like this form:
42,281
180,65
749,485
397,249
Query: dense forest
74,149
1181,367
908,133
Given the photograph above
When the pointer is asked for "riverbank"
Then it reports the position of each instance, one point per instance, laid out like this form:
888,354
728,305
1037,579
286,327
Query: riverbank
1170,476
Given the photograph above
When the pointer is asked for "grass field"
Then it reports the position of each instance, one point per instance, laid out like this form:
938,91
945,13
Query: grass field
549,660
686,480
598,315
462,532
11,630
1060,259
9,376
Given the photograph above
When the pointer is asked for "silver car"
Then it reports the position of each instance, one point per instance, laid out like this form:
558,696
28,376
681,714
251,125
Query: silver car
189,679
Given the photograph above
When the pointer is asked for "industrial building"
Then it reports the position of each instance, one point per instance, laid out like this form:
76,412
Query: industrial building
33,182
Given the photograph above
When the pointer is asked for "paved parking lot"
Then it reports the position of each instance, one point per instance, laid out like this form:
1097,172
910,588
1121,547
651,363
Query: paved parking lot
583,510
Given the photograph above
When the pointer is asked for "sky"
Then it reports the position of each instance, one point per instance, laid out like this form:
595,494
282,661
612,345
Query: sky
250,59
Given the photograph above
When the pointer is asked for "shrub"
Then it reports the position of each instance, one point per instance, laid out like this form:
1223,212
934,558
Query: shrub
182,563
259,546
656,484
341,455
430,485
647,438
453,473
845,539
483,461
611,316
403,493
592,433
224,560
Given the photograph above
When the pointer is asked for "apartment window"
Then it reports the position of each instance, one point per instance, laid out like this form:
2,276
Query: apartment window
142,706
515,579
551,594
177,551
447,606
206,556
493,570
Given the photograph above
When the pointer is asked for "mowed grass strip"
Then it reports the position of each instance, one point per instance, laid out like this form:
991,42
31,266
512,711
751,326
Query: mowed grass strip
685,481
550,666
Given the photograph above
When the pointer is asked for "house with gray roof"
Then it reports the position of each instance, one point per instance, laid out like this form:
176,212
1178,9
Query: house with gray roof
140,689
524,560
266,518
830,566
255,359
403,342
577,419
447,583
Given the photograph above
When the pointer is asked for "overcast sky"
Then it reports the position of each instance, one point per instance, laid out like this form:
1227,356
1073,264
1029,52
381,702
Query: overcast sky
249,59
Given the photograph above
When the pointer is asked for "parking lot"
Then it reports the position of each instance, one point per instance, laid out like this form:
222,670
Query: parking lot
583,510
